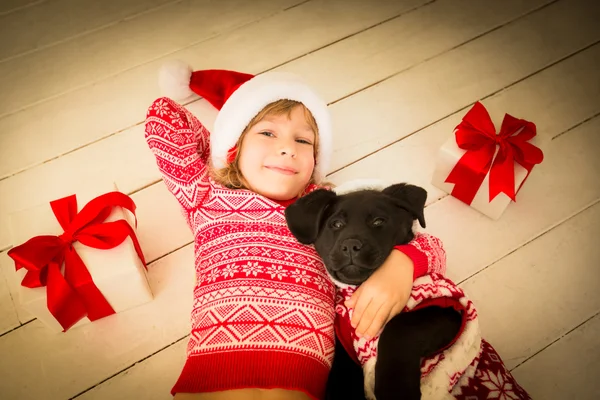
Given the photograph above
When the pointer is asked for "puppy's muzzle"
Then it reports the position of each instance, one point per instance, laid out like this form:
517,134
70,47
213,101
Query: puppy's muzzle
351,247
349,251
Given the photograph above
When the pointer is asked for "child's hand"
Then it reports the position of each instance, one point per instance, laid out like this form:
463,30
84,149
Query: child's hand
383,295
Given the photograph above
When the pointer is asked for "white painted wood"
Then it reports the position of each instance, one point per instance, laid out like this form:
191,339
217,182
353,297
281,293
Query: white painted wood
431,91
36,364
161,225
65,121
48,23
126,154
7,267
10,6
568,368
8,314
540,292
40,364
151,379
91,58
376,54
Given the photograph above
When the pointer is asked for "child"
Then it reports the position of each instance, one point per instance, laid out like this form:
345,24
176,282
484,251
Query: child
263,311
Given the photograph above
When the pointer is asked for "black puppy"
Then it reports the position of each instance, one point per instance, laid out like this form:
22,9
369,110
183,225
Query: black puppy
354,233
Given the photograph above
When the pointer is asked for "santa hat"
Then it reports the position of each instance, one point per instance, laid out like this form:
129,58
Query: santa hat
239,98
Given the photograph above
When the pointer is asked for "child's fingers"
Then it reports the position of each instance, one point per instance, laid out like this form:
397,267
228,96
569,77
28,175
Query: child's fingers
361,305
377,323
368,317
351,302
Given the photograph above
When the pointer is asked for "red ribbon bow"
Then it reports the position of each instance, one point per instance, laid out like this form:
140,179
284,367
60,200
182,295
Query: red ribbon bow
477,135
72,295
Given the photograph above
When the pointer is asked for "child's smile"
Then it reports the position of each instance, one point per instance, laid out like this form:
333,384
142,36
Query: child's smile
282,170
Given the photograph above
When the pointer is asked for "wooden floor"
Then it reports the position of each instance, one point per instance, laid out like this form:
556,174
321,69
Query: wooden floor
76,79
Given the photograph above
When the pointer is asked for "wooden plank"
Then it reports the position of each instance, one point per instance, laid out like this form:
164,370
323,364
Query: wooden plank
7,270
37,363
91,58
376,54
568,368
151,379
8,313
433,90
48,23
540,292
126,154
10,6
65,120
141,40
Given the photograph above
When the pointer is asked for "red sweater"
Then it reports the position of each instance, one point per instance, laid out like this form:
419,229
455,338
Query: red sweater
263,310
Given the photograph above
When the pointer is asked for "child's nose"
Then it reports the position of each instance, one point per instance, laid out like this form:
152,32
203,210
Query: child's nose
288,149
288,152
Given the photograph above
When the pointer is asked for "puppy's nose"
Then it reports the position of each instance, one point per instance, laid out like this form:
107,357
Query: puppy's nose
351,247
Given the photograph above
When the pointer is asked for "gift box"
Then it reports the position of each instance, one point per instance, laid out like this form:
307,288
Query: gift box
78,264
483,169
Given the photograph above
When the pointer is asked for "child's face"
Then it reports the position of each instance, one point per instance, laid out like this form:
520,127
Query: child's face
277,156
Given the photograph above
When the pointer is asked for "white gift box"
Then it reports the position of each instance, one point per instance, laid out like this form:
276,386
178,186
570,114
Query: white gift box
118,273
477,131
446,160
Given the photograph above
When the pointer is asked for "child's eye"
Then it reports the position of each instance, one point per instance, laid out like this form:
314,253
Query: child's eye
303,141
266,133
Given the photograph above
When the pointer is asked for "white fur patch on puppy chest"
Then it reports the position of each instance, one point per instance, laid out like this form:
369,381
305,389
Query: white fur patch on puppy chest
369,378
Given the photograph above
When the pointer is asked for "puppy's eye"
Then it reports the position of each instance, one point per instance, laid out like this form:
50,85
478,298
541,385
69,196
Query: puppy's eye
378,222
336,224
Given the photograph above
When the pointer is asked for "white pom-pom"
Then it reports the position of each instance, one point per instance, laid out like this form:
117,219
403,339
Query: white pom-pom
174,80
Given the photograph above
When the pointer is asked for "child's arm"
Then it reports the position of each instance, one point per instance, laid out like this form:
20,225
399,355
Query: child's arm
427,254
387,291
181,145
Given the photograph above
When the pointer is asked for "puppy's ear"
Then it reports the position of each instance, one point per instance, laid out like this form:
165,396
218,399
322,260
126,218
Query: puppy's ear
305,215
410,197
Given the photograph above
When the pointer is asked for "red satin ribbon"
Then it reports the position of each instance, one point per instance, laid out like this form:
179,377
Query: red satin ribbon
477,135
72,294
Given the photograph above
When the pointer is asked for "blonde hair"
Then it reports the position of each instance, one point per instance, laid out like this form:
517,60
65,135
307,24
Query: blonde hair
231,175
